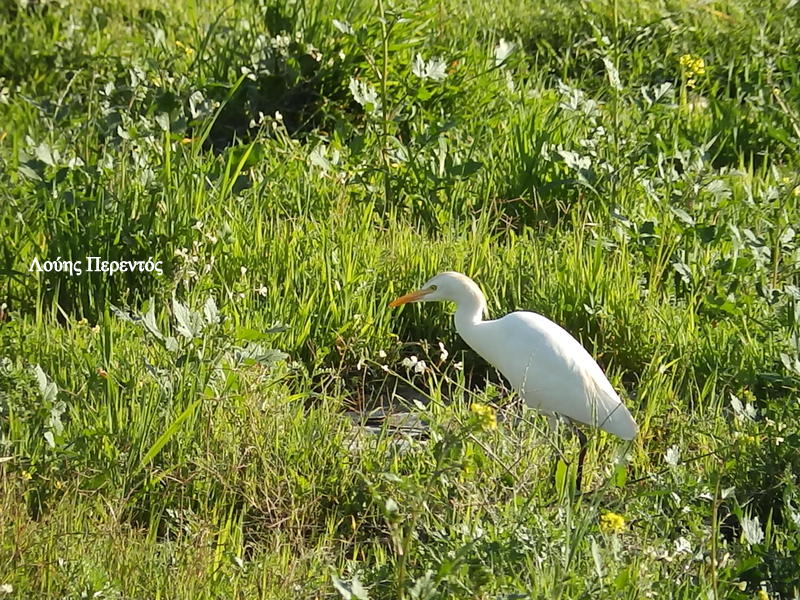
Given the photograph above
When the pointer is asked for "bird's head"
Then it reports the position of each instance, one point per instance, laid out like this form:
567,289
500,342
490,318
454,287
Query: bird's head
448,286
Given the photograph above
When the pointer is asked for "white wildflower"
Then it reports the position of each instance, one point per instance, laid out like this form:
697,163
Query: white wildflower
381,354
262,291
751,528
420,367
458,366
434,69
443,353
672,456
281,41
682,546
502,51
365,95
795,515
613,74
343,26
410,362
314,53
743,411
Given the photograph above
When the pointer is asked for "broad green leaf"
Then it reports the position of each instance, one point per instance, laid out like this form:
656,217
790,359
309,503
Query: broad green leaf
210,311
249,335
122,314
256,353
162,120
171,344
622,580
682,216
424,587
597,558
47,389
184,318
349,591
29,172
561,476
620,475
45,154
391,507
149,321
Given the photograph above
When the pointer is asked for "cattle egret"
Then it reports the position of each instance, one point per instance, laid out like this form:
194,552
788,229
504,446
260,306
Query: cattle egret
543,362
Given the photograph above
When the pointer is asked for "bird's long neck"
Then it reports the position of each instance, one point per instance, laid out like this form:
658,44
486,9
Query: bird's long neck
471,308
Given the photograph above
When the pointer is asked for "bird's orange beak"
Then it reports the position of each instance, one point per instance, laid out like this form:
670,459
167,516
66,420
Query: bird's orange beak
412,297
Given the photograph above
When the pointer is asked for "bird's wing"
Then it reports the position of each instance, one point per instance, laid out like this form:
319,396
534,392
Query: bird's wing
552,371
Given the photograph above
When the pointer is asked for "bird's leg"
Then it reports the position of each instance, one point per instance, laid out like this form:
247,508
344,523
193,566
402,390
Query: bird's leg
581,456
584,446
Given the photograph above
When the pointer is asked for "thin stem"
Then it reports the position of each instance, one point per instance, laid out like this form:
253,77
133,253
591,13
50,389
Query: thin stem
615,94
714,530
387,184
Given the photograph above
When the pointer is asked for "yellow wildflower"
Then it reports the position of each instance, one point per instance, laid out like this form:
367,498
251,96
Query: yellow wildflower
692,67
187,49
27,475
612,522
762,595
486,415
695,65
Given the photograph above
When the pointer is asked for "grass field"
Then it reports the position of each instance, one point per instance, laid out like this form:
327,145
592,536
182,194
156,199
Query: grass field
630,170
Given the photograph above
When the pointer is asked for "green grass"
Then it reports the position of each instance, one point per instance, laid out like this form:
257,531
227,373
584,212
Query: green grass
156,445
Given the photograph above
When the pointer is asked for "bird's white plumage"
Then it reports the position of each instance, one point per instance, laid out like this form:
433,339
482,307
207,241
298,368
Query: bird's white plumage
542,361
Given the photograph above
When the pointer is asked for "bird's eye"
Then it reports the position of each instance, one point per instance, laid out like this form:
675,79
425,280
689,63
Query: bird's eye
433,288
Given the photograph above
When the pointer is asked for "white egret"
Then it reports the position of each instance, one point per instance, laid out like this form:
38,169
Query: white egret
543,362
